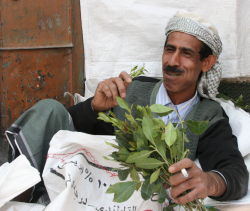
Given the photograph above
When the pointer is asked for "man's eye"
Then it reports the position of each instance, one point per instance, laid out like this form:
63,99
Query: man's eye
169,49
187,53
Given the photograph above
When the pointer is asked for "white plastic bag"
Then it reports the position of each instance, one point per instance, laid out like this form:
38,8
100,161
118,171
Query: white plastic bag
77,176
20,206
16,177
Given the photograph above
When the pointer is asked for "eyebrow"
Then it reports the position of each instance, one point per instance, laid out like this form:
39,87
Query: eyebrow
182,48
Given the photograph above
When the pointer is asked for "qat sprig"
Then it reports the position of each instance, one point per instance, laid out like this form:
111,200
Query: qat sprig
136,71
146,148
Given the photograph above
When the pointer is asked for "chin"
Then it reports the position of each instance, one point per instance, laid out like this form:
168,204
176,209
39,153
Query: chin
169,86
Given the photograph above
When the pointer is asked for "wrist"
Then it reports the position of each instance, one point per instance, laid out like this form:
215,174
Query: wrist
214,184
97,111
95,108
217,184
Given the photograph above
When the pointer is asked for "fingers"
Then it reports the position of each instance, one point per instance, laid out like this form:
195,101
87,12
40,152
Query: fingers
120,86
108,90
189,184
194,194
126,77
113,87
183,164
195,184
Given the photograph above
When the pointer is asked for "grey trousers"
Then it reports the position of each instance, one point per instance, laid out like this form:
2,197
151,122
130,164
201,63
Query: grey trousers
31,133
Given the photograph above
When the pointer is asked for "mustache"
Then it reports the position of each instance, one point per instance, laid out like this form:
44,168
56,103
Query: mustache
172,69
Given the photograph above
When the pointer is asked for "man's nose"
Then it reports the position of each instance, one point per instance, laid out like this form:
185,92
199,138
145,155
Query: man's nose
175,59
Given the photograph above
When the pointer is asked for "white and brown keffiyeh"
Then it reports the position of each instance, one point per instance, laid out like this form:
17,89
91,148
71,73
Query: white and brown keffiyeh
204,31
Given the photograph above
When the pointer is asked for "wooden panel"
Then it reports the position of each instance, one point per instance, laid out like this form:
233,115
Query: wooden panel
35,23
78,53
29,76
41,54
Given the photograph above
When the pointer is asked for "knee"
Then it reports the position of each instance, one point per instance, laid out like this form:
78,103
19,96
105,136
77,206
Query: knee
51,106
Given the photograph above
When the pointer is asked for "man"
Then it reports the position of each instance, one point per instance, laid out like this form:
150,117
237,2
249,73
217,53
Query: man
186,59
189,63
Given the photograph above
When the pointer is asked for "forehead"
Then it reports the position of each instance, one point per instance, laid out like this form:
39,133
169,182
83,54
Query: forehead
183,40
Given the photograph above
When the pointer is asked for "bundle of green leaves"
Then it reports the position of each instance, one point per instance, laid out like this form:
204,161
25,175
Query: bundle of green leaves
146,146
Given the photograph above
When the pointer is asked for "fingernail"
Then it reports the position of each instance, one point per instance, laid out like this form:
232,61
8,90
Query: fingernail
123,95
171,169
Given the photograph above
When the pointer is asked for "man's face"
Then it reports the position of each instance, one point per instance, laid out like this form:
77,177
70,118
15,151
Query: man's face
182,53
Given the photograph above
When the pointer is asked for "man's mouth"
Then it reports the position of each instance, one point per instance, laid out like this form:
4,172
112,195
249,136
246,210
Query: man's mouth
170,74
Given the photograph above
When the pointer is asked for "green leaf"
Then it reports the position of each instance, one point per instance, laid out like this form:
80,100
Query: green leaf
147,190
241,103
127,126
224,96
104,117
136,136
122,103
140,144
138,186
149,163
170,134
197,127
159,179
145,174
123,153
212,209
175,152
160,146
134,175
162,194
159,122
106,158
133,69
185,154
124,191
179,141
132,120
183,130
123,174
143,137
154,176
124,138
138,156
112,145
161,110
113,188
115,156
169,207
137,112
132,144
149,129
157,186
112,114
185,138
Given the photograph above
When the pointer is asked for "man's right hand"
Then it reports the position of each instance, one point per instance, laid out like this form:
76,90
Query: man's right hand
108,89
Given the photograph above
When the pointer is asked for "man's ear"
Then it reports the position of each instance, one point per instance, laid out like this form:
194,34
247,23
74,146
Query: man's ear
208,63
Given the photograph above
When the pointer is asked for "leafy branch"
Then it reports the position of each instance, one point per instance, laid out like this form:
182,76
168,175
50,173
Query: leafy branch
148,147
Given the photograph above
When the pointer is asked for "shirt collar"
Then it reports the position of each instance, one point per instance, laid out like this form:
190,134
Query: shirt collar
164,99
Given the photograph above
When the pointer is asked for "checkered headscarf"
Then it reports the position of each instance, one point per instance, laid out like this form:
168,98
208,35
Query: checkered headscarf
204,31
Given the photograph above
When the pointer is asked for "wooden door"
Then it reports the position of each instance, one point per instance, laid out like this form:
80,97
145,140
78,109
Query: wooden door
41,54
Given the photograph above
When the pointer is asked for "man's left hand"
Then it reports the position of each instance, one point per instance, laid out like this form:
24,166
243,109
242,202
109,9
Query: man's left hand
200,184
